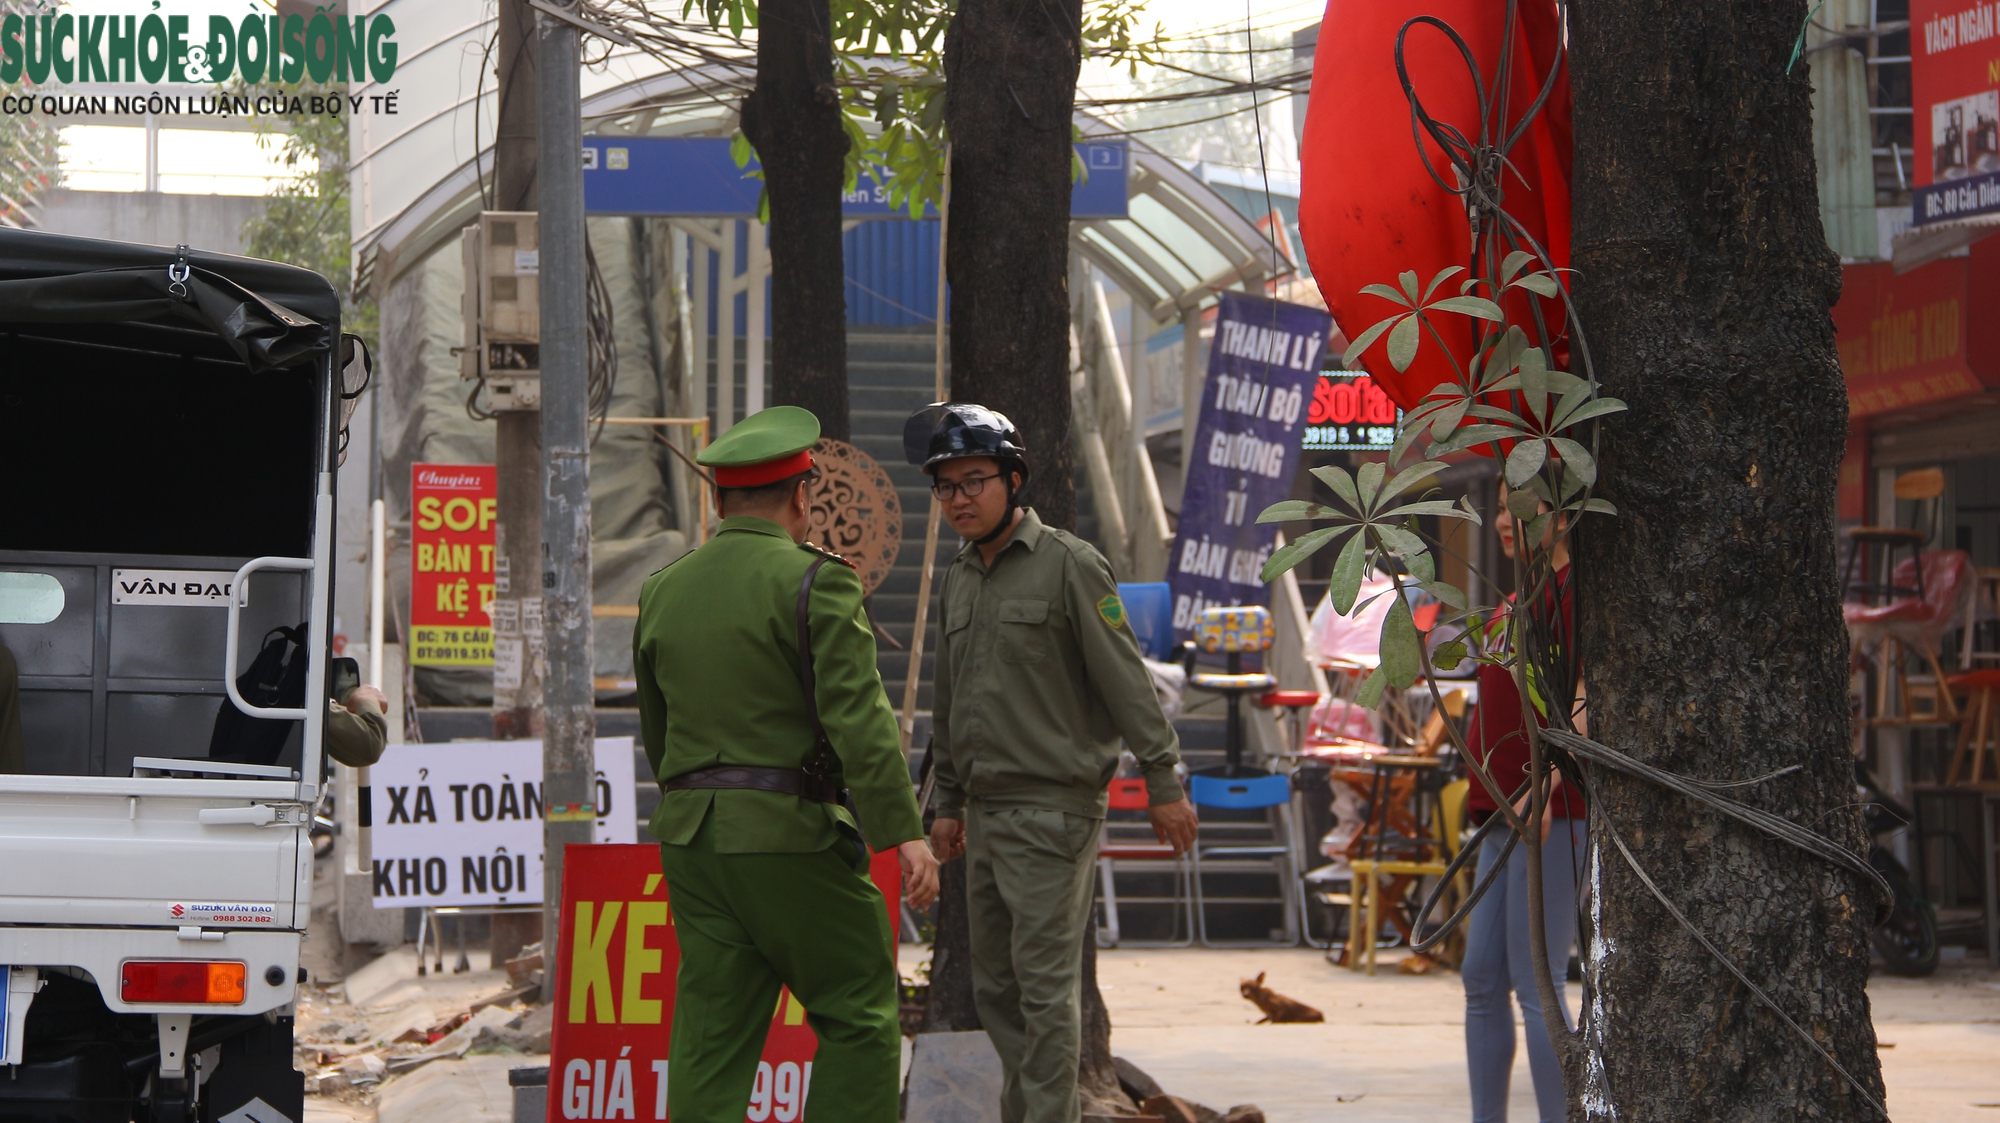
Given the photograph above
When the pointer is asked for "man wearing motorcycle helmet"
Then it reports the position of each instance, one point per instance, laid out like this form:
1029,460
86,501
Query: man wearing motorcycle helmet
1038,679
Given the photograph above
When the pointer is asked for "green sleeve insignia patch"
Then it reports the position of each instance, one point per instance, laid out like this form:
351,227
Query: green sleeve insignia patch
1112,609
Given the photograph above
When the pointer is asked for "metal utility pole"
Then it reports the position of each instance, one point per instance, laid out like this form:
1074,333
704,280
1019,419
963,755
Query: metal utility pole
517,702
568,690
517,451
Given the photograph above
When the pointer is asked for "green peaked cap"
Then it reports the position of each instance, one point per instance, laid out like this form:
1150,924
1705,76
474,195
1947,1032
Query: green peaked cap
764,436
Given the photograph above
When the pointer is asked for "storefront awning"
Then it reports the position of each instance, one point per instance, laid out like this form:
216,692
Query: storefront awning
1920,245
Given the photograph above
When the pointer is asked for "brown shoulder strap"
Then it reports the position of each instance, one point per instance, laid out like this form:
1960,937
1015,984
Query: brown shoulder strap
822,759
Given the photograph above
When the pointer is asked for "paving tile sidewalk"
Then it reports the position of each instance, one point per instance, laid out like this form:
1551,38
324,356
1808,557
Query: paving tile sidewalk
1392,1047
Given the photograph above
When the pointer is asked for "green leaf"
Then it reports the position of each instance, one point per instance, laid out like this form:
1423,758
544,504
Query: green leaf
1400,647
1446,592
1576,457
1403,343
741,150
1448,655
1406,438
1523,504
1293,510
1596,408
1297,550
1471,512
1367,339
1410,476
1526,459
933,114
1539,282
1370,694
1347,571
1448,418
1600,506
1538,527
1476,306
1399,541
1408,279
1386,293
1336,477
1369,477
1535,390
1514,263
1443,275
1475,435
1422,567
1443,507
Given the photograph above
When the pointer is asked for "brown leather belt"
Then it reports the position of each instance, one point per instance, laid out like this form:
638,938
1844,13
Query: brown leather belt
754,778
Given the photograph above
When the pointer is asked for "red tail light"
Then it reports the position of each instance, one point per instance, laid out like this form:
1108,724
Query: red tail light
181,981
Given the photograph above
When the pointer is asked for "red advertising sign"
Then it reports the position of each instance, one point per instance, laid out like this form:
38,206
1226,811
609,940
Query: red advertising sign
1902,338
1955,94
453,509
1348,411
614,1001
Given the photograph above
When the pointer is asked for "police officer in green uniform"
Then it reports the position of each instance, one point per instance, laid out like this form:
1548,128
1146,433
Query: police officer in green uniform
759,701
1038,678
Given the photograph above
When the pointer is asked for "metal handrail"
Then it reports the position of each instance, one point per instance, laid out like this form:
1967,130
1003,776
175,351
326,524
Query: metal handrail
239,598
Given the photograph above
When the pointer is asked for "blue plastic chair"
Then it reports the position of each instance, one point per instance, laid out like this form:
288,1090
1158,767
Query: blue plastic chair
1149,606
1248,792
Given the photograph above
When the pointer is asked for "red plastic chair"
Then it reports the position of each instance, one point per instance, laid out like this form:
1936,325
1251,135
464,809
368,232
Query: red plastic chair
1129,794
1918,623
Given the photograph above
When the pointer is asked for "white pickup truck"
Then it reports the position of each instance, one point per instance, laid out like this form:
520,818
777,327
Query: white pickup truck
170,422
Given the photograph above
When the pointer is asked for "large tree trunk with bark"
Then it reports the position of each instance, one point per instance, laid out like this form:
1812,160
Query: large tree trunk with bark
793,120
1011,69
1710,621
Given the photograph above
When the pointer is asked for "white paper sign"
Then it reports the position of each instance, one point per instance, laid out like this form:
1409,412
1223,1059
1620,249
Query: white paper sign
461,823
185,588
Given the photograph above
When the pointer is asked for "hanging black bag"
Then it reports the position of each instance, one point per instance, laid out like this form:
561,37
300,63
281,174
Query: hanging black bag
277,677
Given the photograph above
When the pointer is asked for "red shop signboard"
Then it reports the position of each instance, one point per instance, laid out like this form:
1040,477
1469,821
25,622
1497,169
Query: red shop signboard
614,1001
453,511
1903,339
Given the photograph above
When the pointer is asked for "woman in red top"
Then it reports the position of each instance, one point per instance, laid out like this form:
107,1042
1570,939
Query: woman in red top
1498,959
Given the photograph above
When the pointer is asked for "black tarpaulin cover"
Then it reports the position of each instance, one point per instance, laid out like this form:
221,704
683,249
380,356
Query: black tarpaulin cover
270,315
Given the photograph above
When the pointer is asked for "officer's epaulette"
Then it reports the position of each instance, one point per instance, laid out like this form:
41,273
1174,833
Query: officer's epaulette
827,554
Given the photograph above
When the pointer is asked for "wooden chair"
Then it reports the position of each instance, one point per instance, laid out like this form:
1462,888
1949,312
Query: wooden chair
1976,759
1366,890
1921,486
1380,876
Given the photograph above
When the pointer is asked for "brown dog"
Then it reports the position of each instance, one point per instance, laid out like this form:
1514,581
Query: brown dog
1276,1007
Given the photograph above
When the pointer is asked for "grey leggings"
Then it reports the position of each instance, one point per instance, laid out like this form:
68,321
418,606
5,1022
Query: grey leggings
1497,961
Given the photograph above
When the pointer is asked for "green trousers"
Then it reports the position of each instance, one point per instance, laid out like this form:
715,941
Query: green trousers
1028,893
750,922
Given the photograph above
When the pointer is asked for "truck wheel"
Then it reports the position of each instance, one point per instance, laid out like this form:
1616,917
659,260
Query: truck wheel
254,1081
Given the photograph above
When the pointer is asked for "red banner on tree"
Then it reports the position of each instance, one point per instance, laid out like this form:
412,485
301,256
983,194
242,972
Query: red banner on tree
453,511
614,1001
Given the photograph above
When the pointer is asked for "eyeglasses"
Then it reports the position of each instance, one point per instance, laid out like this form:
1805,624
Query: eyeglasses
969,487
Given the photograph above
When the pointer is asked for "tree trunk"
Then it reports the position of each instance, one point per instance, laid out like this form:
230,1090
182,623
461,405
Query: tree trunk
948,1006
1710,620
1011,67
793,120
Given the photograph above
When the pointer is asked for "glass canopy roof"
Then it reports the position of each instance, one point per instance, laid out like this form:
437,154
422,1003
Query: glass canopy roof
1179,244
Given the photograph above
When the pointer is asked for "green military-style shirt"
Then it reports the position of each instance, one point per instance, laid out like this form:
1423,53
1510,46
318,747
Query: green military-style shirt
1038,676
717,660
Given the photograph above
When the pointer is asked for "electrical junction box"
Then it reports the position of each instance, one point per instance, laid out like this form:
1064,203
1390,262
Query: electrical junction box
502,309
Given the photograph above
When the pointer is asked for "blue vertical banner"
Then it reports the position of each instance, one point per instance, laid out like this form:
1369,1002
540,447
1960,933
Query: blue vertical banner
1262,368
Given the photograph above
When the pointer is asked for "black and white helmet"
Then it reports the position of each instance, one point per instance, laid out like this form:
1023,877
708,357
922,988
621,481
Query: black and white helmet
945,431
